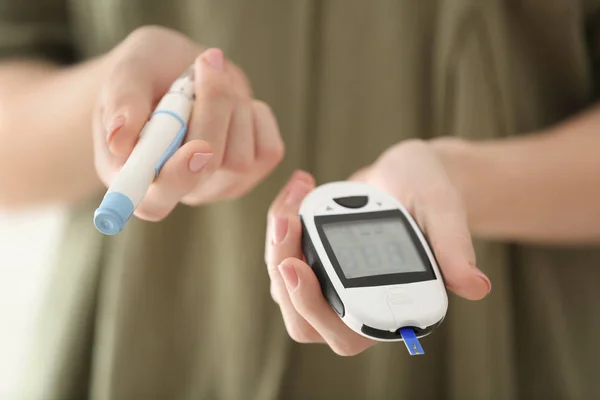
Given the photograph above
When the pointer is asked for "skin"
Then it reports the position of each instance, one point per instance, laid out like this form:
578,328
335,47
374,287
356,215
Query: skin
542,188
428,195
90,116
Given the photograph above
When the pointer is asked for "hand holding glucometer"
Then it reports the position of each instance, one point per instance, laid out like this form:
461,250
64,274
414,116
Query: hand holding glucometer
357,262
373,263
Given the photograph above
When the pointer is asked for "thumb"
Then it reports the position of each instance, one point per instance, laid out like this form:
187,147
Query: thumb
445,224
130,95
362,175
127,105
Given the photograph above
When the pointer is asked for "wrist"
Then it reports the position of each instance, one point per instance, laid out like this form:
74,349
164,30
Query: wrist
471,170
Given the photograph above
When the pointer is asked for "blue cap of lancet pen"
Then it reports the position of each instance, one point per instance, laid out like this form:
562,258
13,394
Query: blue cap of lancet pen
114,212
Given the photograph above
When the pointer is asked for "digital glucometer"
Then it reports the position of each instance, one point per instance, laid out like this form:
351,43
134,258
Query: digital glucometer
373,263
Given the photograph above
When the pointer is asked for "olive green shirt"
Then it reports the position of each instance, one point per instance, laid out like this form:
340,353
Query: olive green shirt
181,309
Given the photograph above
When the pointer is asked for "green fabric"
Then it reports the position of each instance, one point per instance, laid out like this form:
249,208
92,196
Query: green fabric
168,310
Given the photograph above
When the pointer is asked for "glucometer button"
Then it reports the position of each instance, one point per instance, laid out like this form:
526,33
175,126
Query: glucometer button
335,302
399,299
352,201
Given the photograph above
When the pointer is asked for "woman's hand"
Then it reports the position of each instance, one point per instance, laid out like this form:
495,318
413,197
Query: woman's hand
412,172
233,141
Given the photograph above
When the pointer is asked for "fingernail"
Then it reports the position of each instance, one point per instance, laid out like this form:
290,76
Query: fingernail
280,228
296,195
485,279
117,123
198,161
288,273
191,73
301,175
214,58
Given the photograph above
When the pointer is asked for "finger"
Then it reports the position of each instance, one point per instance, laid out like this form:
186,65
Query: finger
127,102
285,241
269,147
287,232
241,83
362,175
298,175
279,202
134,85
306,296
444,220
286,206
178,177
214,105
267,153
239,150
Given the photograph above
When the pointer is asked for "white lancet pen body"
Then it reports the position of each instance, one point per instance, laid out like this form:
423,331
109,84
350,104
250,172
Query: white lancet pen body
160,138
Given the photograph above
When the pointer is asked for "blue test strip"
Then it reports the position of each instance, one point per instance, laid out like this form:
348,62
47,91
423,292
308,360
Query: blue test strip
411,341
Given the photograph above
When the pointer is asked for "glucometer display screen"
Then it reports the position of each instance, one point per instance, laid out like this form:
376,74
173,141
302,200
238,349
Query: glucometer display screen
373,247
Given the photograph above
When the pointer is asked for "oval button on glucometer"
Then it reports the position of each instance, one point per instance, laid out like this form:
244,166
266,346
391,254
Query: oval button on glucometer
400,299
352,201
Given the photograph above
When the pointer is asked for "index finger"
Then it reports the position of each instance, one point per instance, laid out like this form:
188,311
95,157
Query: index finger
278,203
281,207
213,109
284,237
445,224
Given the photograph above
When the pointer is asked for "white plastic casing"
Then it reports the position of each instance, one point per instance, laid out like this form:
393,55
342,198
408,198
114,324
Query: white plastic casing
387,308
158,134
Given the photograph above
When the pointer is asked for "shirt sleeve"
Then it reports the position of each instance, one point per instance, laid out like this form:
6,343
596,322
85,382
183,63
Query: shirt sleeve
37,29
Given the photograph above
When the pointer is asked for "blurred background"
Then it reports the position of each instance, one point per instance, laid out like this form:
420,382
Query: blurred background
28,241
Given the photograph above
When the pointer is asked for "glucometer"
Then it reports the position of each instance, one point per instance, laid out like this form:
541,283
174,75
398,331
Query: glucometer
375,266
